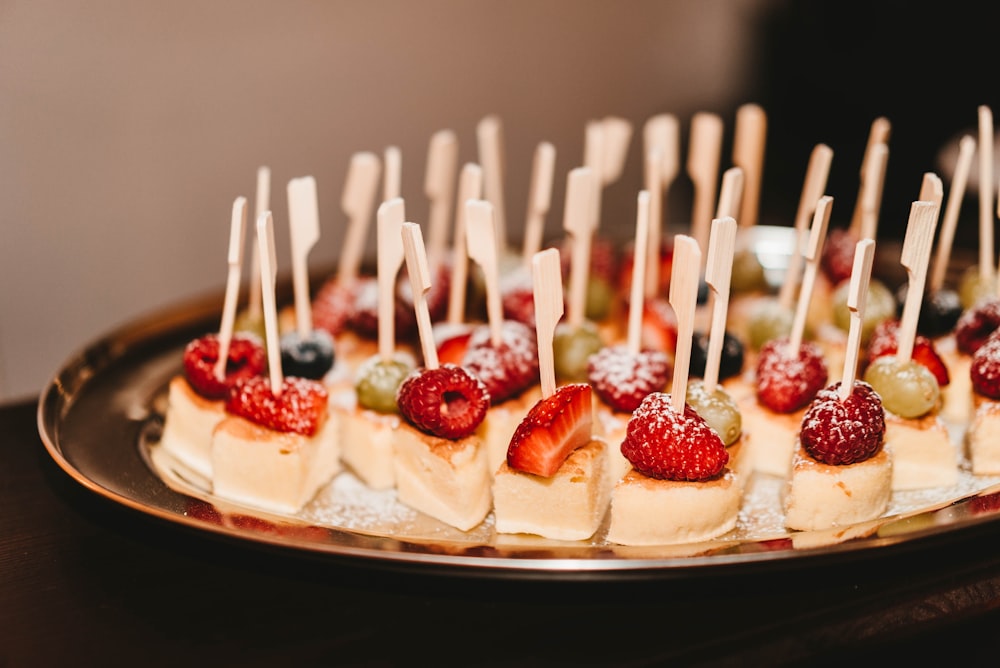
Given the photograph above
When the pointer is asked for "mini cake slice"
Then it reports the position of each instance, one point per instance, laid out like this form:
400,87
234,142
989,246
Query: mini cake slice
679,489
841,474
275,451
983,436
555,481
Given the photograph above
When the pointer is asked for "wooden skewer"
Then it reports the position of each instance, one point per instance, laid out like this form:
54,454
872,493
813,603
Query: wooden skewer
871,197
357,201
959,182
439,186
731,193
268,277
390,217
392,181
420,281
684,300
470,186
749,139
812,254
593,159
539,199
857,297
481,243
662,142
637,289
303,221
704,154
931,189
916,254
576,220
812,189
489,134
617,135
986,143
237,232
718,275
262,203
547,290
879,133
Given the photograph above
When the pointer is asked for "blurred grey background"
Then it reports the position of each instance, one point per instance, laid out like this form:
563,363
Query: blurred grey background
127,129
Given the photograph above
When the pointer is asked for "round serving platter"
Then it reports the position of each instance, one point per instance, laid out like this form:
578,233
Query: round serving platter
100,418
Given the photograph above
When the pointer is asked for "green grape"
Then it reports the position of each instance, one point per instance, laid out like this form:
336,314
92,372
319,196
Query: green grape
972,288
748,272
572,349
246,323
880,306
717,409
600,296
909,390
377,382
768,322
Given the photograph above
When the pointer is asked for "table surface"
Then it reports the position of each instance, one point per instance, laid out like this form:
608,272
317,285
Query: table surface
83,580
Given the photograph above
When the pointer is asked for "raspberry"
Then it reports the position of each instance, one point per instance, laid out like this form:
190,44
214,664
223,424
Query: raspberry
985,371
837,259
884,342
508,368
364,316
300,408
436,298
976,324
661,444
448,401
332,306
784,383
622,380
844,432
519,304
246,358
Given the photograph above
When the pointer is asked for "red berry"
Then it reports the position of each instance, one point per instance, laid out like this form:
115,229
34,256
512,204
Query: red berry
452,346
553,428
837,259
508,368
300,408
785,383
976,324
985,371
622,379
333,305
364,317
519,304
436,298
844,432
448,401
884,342
663,444
246,358
659,326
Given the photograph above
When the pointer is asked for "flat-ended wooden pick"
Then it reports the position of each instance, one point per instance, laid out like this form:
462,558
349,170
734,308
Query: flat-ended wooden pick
684,300
662,147
704,154
392,181
234,260
580,186
731,193
489,135
268,277
878,133
871,192
956,193
857,298
358,202
915,256
539,199
262,203
470,186
643,222
718,275
546,276
481,242
420,282
303,223
439,186
812,189
812,255
986,144
390,218
749,139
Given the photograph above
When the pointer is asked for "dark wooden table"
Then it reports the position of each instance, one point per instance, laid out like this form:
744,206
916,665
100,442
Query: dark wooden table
84,581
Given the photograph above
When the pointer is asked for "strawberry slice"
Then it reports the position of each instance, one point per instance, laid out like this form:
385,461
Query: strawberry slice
552,430
452,346
659,325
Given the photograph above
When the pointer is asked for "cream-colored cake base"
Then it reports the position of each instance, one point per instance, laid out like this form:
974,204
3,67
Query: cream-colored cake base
610,427
500,423
923,455
646,511
448,480
569,505
188,425
366,445
771,436
277,471
956,396
821,496
982,441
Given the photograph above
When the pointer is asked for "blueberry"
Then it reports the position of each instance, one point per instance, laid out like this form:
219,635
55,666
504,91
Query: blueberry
730,363
939,311
311,357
